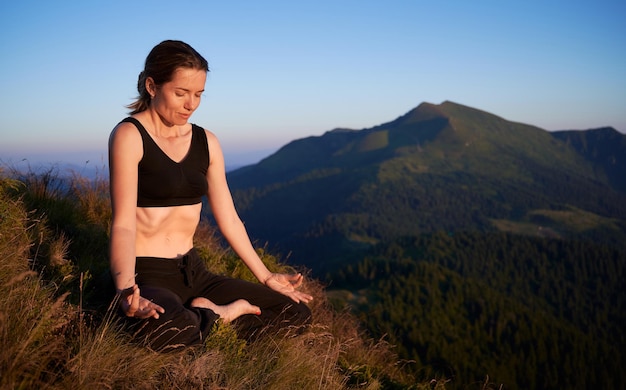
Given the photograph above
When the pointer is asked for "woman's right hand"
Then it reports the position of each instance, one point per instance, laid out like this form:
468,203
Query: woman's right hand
287,285
134,305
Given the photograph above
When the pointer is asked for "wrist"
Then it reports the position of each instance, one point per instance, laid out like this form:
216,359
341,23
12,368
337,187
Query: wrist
267,278
125,291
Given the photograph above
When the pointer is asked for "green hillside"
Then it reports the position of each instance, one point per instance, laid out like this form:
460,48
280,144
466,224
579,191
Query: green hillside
439,167
604,148
536,313
476,245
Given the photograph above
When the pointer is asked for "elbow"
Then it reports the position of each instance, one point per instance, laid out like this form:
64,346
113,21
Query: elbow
231,226
118,232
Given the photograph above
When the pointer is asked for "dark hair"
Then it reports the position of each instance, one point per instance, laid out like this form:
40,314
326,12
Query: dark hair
160,64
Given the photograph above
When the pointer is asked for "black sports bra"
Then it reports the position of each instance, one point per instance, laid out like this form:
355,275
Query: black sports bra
164,182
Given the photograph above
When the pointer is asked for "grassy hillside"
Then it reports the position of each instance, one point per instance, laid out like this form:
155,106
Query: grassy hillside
58,328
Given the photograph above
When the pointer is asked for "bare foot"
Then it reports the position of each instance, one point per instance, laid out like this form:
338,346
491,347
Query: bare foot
228,312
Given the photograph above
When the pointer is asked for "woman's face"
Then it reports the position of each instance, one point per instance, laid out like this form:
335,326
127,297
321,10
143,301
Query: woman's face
177,99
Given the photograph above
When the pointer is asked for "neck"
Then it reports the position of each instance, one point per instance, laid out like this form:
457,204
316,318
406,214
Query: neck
160,127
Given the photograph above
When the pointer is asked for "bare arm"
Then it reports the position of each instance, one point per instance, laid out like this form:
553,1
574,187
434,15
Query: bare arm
233,229
124,154
125,150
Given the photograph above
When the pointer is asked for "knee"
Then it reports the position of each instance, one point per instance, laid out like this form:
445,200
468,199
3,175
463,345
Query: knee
172,330
295,314
177,327
303,315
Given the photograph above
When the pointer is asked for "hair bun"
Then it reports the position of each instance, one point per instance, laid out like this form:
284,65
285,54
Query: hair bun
141,82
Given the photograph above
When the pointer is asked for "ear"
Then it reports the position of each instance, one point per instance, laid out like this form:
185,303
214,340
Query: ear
150,86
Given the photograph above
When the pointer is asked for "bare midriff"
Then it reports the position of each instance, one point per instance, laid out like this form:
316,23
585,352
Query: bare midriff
166,231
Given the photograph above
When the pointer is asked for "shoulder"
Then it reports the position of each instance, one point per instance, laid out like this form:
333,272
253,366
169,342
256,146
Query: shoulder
125,135
211,138
213,145
207,133
125,129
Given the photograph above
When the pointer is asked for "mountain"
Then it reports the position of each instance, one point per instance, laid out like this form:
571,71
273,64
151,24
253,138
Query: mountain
475,245
604,148
438,167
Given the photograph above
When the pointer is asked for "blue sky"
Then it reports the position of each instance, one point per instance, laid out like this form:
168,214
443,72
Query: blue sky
283,70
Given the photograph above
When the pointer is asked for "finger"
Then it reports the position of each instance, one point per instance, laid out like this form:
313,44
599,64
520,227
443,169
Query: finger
293,278
158,308
155,310
146,313
147,309
291,281
281,283
306,298
294,297
296,280
298,297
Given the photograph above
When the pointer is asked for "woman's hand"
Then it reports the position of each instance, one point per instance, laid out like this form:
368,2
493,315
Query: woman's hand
134,305
287,285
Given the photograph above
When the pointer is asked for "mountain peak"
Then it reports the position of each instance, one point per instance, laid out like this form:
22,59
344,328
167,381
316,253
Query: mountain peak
339,130
446,110
423,112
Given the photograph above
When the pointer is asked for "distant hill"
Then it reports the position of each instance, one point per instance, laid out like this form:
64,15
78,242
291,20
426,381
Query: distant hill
604,148
438,167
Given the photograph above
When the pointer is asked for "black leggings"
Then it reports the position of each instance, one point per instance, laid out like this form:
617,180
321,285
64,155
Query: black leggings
174,283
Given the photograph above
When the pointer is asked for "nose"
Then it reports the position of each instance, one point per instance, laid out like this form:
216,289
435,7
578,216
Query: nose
192,102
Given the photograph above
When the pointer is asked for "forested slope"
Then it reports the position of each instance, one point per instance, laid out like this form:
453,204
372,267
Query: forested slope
537,313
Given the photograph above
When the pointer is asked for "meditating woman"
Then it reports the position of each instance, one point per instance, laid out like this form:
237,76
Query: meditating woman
160,167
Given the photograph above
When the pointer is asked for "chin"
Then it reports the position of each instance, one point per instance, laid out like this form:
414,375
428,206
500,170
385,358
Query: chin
174,120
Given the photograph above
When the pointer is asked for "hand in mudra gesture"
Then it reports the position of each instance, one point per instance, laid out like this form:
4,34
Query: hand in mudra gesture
287,285
134,305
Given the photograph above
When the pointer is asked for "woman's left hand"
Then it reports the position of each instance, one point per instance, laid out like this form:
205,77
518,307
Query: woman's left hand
287,285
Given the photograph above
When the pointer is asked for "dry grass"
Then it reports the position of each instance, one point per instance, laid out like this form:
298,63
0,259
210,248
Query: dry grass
48,342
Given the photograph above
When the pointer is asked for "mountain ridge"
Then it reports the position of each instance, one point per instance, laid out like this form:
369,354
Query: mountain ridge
437,167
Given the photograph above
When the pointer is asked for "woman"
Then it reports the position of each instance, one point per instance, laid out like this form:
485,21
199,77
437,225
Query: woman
160,167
